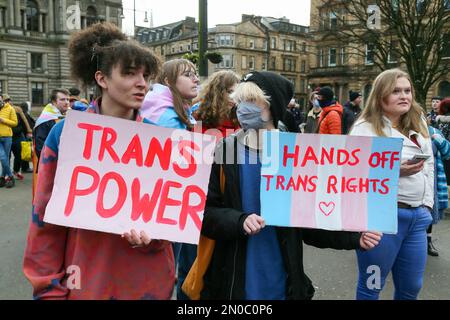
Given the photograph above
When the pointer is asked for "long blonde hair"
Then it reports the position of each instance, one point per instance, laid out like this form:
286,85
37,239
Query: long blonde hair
383,86
171,70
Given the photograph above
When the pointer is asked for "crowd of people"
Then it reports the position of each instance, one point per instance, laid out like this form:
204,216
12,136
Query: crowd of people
250,260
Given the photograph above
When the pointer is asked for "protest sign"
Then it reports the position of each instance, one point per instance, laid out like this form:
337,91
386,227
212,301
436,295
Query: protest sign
331,182
115,175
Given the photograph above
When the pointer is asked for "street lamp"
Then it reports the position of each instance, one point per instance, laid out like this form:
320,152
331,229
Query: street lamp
122,16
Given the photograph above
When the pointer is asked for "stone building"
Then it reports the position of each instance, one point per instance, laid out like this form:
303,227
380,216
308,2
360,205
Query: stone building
339,64
33,43
255,43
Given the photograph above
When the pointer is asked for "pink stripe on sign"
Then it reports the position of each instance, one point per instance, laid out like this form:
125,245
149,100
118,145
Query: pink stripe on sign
303,203
354,204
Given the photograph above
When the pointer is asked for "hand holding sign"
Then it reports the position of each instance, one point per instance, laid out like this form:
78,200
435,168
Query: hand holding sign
253,224
369,240
136,240
114,175
331,182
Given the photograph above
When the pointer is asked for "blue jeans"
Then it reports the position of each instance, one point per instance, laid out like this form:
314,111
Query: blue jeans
405,254
5,149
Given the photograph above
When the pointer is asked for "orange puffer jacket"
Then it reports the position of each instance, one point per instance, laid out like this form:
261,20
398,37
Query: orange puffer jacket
330,121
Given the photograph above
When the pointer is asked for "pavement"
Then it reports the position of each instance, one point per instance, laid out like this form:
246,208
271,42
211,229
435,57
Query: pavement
333,272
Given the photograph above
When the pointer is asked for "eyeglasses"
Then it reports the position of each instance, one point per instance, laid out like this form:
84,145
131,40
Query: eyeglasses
191,74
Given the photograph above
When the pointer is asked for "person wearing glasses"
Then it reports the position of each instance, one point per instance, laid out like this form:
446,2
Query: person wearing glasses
169,104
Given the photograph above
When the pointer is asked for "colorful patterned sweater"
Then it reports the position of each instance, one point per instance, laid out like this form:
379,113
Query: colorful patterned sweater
441,150
69,263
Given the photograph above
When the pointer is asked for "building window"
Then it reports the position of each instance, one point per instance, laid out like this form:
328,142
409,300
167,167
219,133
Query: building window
333,21
181,48
225,40
289,64
446,44
251,63
244,62
273,43
2,17
189,47
369,54
2,59
323,20
303,67
447,4
367,90
32,13
228,61
273,63
393,52
302,86
290,45
444,89
304,47
420,6
251,44
321,57
265,44
343,56
37,93
332,57
2,87
36,61
91,16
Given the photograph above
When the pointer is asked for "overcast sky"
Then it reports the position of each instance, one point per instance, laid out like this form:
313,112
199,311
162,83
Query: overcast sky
219,11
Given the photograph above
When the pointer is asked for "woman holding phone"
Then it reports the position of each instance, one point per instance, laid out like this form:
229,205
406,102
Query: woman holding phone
392,111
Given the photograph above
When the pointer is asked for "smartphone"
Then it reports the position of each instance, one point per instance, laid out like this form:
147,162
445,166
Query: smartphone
418,157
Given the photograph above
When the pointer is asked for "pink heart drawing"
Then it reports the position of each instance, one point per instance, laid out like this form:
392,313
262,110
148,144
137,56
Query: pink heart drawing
327,208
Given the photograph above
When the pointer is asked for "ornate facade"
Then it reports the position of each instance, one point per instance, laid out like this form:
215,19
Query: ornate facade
33,43
255,43
340,65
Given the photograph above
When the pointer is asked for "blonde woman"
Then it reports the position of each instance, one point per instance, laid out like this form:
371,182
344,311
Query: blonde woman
392,111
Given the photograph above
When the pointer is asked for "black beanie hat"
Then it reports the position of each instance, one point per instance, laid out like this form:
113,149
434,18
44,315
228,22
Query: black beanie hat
354,95
326,93
279,89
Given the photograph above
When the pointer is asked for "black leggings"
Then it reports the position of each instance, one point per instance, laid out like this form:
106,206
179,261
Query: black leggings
16,149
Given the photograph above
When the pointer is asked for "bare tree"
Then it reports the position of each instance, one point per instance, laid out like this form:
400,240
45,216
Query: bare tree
412,33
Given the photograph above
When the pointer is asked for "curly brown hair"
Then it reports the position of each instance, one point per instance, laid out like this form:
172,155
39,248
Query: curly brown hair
214,99
103,46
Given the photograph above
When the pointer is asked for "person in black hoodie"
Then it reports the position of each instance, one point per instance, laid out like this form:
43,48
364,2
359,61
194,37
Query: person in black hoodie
251,260
352,110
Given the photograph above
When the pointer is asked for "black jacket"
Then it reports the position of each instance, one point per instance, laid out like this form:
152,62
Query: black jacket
40,133
223,221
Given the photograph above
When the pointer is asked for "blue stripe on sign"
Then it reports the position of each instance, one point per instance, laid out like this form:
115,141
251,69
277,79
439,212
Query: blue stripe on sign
382,209
276,204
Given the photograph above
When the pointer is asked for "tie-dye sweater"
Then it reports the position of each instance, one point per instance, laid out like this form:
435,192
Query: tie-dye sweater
69,263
